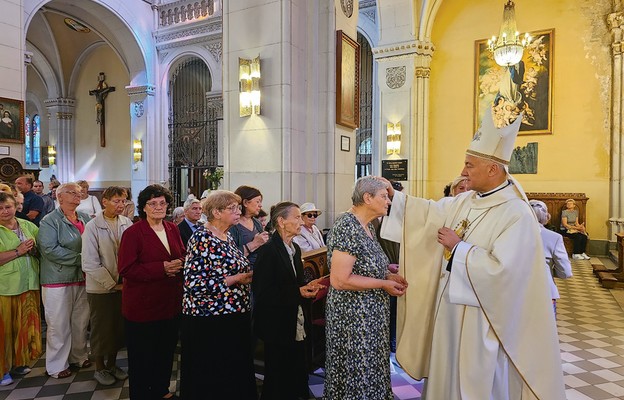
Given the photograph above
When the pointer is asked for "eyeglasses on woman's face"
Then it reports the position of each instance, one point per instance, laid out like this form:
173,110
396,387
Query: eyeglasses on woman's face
311,215
234,208
157,204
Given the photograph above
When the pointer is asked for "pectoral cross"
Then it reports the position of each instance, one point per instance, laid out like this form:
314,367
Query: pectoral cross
101,92
461,231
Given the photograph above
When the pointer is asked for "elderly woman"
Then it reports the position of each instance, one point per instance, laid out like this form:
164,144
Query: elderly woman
88,204
150,262
177,215
310,237
572,228
63,283
557,260
249,234
20,326
459,185
216,321
358,302
279,289
100,244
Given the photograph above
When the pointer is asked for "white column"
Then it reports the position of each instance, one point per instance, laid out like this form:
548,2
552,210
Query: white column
403,76
61,135
616,215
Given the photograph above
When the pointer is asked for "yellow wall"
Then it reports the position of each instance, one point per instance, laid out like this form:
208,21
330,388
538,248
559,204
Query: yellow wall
575,158
103,166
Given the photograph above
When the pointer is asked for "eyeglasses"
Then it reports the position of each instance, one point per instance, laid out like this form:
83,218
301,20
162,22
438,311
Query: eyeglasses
72,193
311,215
154,204
233,208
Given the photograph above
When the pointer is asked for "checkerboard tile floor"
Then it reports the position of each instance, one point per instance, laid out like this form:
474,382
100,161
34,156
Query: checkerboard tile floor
591,334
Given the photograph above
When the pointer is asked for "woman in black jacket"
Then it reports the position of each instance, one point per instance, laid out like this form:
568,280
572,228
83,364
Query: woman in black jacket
278,316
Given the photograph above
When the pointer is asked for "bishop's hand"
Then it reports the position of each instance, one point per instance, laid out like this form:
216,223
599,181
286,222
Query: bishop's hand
448,238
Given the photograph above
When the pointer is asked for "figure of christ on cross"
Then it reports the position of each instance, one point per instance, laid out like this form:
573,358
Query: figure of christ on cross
101,92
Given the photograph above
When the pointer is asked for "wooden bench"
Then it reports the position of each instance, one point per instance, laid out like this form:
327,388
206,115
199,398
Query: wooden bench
314,264
556,202
614,278
314,267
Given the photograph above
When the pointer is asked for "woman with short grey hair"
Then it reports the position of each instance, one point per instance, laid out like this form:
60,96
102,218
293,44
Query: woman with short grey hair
358,302
366,185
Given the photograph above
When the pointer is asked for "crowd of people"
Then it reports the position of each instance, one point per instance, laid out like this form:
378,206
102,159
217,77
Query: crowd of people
214,274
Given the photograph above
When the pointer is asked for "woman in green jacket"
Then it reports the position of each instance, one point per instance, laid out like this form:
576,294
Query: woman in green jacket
20,326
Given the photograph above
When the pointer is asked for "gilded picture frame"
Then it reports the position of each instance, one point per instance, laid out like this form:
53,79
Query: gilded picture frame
529,83
347,81
11,120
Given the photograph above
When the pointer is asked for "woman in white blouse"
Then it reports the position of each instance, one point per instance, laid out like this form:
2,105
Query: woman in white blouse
310,237
88,204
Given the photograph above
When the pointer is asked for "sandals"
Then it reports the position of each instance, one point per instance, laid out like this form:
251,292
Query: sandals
61,375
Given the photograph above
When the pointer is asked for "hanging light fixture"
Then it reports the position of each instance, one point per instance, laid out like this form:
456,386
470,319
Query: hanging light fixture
509,46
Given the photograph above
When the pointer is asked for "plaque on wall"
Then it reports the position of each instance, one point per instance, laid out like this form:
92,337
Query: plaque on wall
395,170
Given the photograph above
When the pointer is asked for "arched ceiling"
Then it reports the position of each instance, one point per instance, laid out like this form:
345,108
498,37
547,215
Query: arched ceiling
63,47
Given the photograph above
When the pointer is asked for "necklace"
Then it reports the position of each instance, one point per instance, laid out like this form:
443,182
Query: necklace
462,228
216,231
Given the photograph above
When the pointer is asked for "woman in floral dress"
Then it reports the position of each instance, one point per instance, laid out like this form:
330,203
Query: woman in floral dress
358,303
217,359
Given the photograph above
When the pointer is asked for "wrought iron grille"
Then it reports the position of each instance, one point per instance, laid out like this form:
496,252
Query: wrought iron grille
364,135
193,146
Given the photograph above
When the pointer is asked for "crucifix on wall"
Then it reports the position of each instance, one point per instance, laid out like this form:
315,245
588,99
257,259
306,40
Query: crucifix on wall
101,92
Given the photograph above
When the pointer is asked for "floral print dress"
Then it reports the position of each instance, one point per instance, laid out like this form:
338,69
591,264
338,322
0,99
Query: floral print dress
357,322
208,261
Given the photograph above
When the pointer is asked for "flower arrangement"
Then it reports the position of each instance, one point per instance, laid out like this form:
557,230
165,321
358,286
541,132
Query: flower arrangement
214,177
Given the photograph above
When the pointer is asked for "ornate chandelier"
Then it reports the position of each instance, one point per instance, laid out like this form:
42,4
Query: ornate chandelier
508,47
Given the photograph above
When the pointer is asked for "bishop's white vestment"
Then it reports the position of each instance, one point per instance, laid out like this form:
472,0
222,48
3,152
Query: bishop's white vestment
485,330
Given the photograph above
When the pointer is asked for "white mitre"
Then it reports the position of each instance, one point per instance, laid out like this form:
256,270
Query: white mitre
492,143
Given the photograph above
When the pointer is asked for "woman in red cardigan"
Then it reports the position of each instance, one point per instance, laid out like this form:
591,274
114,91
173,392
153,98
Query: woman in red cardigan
150,261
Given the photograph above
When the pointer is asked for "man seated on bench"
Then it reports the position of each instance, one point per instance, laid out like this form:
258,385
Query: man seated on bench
571,228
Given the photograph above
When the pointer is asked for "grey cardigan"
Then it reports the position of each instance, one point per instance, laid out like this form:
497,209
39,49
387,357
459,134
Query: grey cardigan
60,245
99,253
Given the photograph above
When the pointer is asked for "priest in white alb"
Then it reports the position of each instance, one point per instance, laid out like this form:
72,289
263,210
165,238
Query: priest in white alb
477,320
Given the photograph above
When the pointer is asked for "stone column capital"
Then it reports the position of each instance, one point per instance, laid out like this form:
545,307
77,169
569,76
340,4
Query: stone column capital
400,50
60,102
141,91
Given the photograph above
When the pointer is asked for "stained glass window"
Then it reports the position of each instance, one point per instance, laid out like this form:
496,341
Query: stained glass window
27,143
36,136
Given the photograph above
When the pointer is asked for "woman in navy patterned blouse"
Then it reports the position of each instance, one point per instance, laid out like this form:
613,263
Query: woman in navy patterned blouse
217,358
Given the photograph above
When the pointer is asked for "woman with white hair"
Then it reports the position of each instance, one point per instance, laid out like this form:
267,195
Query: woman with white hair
557,260
358,302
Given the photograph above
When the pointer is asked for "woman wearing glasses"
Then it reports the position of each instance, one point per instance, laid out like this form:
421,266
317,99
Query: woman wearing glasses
217,359
310,237
150,262
63,283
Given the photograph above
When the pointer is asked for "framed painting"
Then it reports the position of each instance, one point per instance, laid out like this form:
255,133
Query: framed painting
345,143
11,120
525,87
347,81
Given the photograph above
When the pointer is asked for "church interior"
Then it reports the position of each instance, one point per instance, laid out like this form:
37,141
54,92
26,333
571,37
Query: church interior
299,98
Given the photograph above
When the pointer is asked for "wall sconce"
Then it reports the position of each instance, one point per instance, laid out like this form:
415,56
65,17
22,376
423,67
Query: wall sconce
137,152
51,155
394,138
249,86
